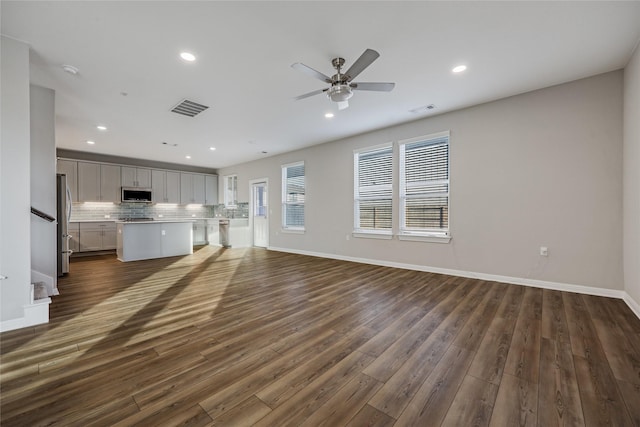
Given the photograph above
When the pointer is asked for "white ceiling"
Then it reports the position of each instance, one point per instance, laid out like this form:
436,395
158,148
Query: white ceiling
243,72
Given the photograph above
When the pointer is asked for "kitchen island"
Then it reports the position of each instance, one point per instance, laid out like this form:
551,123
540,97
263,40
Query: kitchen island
153,239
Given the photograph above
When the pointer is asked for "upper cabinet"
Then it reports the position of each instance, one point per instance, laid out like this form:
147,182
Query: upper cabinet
211,190
102,182
192,188
165,186
98,182
136,177
70,169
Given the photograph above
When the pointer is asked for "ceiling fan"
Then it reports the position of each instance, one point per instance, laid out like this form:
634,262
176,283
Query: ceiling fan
342,84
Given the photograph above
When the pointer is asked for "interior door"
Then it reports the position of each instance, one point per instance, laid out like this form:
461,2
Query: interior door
259,210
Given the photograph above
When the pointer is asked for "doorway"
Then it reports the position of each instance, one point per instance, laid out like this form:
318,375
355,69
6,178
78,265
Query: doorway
259,213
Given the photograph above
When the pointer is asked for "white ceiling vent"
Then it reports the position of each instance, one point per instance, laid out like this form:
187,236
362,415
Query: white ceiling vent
189,108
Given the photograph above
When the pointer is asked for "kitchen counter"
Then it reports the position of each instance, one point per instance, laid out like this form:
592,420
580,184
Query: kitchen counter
138,240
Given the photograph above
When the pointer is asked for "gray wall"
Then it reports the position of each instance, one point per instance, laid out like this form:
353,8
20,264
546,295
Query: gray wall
632,177
43,180
541,168
15,240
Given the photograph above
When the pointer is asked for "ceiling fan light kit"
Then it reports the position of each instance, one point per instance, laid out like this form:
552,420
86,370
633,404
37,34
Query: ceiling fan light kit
342,85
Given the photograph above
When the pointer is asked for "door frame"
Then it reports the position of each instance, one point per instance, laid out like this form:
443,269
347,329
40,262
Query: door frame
252,182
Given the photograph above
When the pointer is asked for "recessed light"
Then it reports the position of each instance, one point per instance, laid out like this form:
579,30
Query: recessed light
212,148
188,56
101,127
328,115
187,157
459,68
91,142
70,69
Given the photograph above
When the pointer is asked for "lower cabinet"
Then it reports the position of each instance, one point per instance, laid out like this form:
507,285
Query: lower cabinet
213,231
73,230
97,236
200,232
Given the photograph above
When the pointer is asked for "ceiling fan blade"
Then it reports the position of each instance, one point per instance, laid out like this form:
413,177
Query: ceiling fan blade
343,105
378,87
307,95
361,63
310,71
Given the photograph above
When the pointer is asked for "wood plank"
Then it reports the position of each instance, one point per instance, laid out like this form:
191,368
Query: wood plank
516,403
491,357
345,403
524,353
431,402
371,417
398,391
473,404
302,405
244,414
631,395
559,400
622,350
601,401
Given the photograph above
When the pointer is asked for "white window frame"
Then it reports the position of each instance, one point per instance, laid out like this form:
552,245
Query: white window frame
285,227
230,195
428,235
377,233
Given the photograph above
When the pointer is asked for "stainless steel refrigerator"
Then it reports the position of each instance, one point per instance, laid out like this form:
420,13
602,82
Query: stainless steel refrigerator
63,213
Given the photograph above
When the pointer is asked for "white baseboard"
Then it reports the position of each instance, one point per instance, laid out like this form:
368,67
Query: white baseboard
556,286
633,304
34,314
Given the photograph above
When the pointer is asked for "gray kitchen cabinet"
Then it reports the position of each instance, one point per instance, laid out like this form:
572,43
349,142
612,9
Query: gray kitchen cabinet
165,186
136,177
173,187
70,169
98,182
211,190
97,236
213,231
200,232
192,188
73,230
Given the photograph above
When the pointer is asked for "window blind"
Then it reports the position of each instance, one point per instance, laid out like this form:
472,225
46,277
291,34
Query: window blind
373,189
293,195
424,185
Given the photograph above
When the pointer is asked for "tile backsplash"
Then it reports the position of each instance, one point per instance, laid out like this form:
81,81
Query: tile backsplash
112,211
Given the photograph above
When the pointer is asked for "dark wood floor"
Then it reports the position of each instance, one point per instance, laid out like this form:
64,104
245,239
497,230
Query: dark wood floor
247,336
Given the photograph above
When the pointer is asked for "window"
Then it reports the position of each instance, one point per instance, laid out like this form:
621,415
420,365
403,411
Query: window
293,196
424,185
373,191
230,190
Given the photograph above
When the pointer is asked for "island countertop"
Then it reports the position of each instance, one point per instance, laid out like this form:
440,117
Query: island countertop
155,221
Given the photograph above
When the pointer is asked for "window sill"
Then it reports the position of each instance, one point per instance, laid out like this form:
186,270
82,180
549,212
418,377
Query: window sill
430,238
372,235
293,230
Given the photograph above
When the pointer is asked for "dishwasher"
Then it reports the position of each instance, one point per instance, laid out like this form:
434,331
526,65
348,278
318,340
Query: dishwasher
223,228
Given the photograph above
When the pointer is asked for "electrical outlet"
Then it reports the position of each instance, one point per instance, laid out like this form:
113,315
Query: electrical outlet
544,251
107,216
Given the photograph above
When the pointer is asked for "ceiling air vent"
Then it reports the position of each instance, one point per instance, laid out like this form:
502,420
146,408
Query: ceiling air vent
189,108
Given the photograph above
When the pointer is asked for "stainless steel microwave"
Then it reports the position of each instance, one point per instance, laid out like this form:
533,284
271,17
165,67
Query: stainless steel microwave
136,195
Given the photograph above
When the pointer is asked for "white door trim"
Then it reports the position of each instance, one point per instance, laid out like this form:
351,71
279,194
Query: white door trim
252,182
